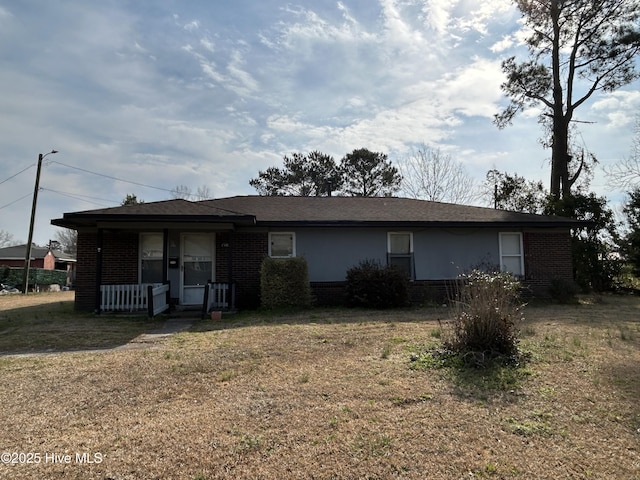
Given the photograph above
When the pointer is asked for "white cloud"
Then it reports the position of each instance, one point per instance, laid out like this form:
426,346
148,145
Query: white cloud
4,13
504,44
478,14
620,108
208,44
192,25
437,14
473,90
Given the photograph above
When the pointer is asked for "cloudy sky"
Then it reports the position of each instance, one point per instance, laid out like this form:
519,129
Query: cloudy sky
165,93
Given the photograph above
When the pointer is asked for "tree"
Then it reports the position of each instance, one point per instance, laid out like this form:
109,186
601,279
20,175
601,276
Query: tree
631,244
576,48
312,174
594,244
184,192
181,191
369,174
626,173
6,239
67,238
131,199
432,175
515,193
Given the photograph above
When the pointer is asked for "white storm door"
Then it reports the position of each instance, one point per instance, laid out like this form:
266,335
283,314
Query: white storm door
197,267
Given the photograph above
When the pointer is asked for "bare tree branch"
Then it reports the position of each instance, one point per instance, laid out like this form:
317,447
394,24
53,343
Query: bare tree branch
625,174
432,175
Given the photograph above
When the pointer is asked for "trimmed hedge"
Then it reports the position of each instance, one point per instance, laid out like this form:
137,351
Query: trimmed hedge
371,285
37,276
284,282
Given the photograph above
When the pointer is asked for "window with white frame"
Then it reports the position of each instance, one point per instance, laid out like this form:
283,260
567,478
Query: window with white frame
282,244
400,252
151,245
511,253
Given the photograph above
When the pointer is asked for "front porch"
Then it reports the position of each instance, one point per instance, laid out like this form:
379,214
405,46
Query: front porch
154,298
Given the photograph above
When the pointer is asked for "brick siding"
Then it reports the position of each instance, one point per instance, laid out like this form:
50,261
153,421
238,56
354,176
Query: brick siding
248,250
547,257
119,264
85,283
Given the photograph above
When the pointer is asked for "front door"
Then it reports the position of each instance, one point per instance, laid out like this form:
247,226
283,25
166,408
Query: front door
197,266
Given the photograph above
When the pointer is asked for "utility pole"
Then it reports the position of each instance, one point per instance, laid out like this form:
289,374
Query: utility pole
27,257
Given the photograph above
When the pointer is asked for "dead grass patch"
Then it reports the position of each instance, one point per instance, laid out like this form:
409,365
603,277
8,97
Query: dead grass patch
48,322
331,395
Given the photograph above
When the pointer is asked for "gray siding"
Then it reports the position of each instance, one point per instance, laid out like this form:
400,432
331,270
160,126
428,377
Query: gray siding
444,254
438,253
330,252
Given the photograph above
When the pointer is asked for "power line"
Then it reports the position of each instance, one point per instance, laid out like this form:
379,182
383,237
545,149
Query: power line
16,201
112,178
12,176
77,196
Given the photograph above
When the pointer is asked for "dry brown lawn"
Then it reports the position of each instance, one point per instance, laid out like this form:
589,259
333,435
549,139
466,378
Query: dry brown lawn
331,394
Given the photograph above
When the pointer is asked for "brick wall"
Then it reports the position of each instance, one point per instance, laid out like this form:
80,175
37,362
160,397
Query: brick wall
119,264
85,283
120,258
248,250
547,255
328,293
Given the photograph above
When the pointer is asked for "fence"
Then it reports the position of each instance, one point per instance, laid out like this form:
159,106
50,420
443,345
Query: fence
219,296
158,299
125,298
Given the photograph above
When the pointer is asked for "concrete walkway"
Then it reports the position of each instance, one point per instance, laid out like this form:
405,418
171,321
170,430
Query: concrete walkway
145,340
170,327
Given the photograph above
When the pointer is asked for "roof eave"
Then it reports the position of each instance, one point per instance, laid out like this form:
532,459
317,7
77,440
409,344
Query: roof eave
78,221
422,224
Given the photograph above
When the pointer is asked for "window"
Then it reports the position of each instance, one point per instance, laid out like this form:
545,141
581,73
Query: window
282,244
511,257
151,258
400,251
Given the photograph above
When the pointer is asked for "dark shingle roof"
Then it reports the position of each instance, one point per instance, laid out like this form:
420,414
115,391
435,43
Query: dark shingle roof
338,210
272,211
18,252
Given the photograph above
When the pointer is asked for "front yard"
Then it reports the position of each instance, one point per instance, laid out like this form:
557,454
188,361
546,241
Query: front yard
324,394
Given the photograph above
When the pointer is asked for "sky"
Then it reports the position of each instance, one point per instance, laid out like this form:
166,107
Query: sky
140,97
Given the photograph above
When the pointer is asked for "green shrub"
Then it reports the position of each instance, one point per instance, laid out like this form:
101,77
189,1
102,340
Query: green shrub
487,307
371,285
284,282
37,276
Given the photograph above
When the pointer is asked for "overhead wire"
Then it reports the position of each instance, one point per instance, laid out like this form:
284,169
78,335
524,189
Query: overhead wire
13,176
77,196
111,177
16,201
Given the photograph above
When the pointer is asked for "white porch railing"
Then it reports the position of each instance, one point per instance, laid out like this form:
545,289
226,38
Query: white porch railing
218,296
158,299
125,298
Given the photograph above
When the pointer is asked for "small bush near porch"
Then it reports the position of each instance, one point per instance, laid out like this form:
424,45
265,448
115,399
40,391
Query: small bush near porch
284,282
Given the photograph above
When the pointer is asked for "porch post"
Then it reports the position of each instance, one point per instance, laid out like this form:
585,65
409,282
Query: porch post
232,302
165,255
99,244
